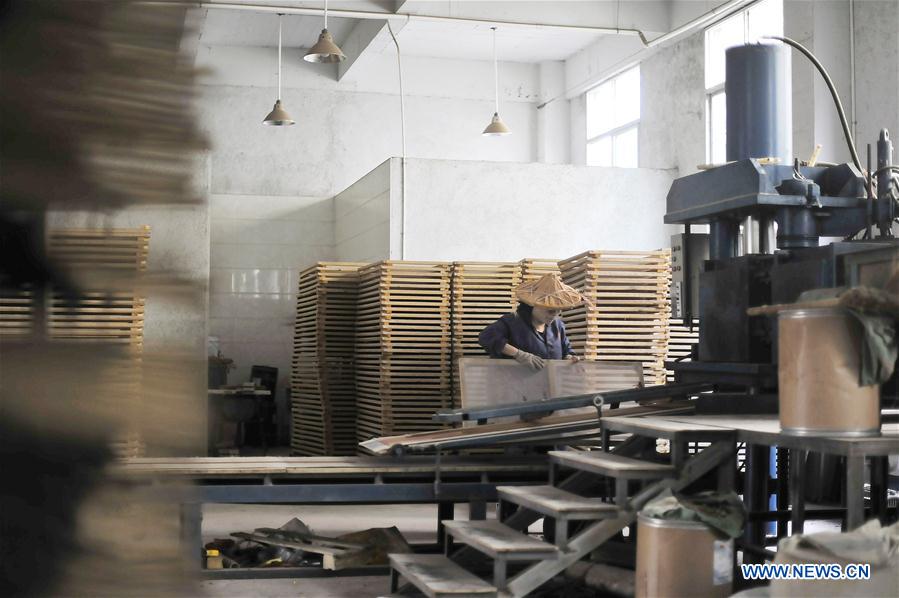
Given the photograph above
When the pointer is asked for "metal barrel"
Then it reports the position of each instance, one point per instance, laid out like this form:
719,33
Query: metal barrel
819,358
681,558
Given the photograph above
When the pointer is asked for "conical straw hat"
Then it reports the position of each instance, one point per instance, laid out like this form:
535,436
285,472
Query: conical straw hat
549,291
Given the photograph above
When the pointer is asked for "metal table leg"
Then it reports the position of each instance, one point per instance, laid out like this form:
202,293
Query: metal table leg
756,496
394,580
797,490
561,536
879,483
191,535
620,492
445,511
477,510
782,485
855,491
499,573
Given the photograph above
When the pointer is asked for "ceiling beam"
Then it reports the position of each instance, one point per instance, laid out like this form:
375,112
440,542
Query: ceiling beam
358,41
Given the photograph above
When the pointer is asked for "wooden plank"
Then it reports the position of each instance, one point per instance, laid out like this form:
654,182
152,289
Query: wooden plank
553,501
496,539
439,577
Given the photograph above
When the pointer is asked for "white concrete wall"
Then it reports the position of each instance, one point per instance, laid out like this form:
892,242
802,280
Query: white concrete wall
672,131
672,107
272,187
345,129
259,245
876,71
362,217
553,115
467,210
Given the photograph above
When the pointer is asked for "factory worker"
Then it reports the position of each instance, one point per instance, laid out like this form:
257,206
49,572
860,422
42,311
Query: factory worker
534,332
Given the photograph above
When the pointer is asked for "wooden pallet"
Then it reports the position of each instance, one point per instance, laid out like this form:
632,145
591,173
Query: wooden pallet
323,364
93,316
482,292
403,346
534,268
629,316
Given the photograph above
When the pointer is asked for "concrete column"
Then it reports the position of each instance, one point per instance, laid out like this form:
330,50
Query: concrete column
553,115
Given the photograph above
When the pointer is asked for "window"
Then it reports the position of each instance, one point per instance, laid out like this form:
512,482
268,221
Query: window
613,116
760,19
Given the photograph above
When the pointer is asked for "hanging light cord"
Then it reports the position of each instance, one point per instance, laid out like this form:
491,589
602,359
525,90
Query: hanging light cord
495,75
399,65
279,57
326,14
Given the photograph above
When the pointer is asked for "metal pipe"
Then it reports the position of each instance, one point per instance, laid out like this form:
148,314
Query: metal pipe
768,235
723,239
381,16
750,235
635,58
852,66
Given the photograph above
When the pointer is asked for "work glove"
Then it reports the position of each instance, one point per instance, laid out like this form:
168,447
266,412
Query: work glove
530,360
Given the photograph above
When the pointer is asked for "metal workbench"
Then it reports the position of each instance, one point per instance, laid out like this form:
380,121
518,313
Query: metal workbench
764,431
327,480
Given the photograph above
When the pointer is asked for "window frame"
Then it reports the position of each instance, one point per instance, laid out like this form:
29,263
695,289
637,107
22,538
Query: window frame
710,92
619,129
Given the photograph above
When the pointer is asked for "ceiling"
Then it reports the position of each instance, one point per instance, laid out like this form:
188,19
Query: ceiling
224,27
474,41
445,39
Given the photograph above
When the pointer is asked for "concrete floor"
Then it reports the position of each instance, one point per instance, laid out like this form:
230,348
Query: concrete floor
417,523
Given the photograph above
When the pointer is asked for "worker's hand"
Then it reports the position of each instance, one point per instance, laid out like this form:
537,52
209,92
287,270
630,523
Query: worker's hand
530,360
574,358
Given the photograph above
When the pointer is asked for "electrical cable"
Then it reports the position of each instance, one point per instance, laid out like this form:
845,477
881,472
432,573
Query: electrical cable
399,65
893,167
833,92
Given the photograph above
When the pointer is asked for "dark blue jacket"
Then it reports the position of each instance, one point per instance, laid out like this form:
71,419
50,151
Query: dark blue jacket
512,329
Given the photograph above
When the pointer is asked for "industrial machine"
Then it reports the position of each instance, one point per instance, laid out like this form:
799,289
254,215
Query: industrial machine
776,227
768,217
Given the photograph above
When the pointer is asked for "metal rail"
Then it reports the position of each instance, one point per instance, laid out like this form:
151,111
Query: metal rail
596,399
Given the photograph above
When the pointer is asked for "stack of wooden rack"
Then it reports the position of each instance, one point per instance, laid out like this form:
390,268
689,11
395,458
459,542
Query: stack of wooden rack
16,312
629,316
101,316
482,292
402,346
533,268
323,392
680,341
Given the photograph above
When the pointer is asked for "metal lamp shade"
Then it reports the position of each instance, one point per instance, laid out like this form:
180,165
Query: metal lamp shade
278,116
496,126
324,50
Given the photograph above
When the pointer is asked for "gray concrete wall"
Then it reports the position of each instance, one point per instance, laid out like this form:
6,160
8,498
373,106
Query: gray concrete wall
362,217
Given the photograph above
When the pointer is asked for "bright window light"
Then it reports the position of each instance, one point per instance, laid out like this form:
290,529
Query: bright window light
748,26
613,119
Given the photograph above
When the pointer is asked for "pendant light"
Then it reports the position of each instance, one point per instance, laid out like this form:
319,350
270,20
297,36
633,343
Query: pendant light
278,116
496,126
324,50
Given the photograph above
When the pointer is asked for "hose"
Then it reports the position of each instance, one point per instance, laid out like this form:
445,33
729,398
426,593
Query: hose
833,92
